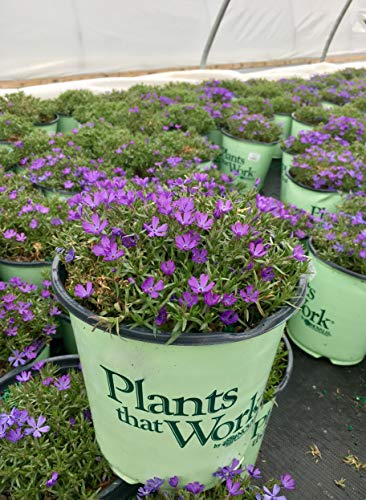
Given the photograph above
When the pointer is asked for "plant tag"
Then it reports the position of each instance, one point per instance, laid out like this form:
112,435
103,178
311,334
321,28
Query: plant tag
254,157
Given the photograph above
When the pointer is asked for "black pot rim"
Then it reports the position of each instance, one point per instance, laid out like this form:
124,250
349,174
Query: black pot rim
145,335
223,131
288,174
16,371
25,264
332,264
55,120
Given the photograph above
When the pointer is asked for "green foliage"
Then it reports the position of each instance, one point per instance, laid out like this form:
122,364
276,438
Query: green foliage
68,101
252,128
187,117
69,449
284,104
312,115
13,127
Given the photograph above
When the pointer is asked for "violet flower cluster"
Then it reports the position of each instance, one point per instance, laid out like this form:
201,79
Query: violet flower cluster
233,481
27,321
208,263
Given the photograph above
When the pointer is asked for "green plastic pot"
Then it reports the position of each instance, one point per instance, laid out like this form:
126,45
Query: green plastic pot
287,160
6,145
297,126
285,122
50,127
264,413
309,199
329,105
187,407
251,159
215,136
66,123
55,193
67,334
332,320
33,272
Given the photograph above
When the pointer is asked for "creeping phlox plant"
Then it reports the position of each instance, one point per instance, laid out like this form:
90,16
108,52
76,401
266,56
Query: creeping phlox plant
333,170
341,237
252,128
234,480
47,440
27,320
29,222
180,261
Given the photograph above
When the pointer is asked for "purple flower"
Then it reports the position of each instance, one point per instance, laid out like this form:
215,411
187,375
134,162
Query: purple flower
299,254
70,255
161,317
203,221
189,299
72,421
173,481
63,383
253,472
223,207
199,256
267,274
24,376
257,249
17,358
154,229
229,317
47,381
149,286
38,366
168,267
82,292
240,229
96,226
287,481
229,471
228,299
249,295
9,233
233,488
49,329
36,428
14,435
187,241
211,299
202,285
272,495
51,482
196,488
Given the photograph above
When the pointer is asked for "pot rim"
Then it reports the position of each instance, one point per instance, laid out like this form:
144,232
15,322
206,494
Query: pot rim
289,115
259,143
288,174
25,264
302,122
289,368
55,120
58,277
332,264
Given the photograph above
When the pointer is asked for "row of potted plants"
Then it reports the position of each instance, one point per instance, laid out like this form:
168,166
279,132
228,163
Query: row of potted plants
163,261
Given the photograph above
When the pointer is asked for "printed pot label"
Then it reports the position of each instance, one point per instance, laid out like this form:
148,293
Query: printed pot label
185,409
246,160
332,320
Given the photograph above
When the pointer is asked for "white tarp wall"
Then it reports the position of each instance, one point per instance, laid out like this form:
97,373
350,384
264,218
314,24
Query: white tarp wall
42,38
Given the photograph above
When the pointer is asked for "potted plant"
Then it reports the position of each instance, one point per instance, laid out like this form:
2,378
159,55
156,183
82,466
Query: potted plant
27,321
65,105
45,420
345,129
29,223
248,145
331,322
187,116
335,96
12,129
46,118
168,284
320,177
283,106
308,117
